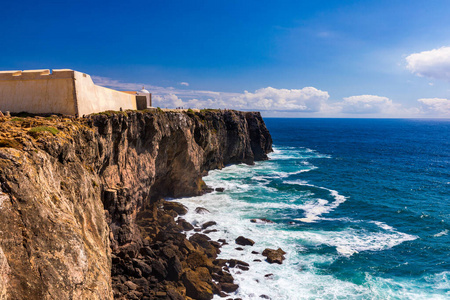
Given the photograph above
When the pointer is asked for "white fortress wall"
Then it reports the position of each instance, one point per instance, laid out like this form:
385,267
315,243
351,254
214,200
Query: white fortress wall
92,98
38,91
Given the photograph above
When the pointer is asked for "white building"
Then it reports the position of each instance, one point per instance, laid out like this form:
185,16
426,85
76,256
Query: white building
63,91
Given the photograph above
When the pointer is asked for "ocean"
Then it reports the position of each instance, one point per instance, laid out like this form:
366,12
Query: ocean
361,206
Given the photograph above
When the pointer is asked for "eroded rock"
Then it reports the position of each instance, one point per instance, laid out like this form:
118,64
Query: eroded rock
198,284
96,180
274,256
244,241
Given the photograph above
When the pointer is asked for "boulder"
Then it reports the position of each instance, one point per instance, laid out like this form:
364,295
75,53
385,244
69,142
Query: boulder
198,259
158,269
274,256
145,268
202,210
203,241
185,224
220,189
131,285
244,241
233,262
263,220
208,224
175,206
198,284
229,287
174,268
243,268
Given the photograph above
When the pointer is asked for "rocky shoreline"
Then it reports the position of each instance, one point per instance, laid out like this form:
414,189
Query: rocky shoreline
169,265
81,206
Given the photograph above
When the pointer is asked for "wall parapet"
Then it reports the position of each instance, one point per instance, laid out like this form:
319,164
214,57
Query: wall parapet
60,91
44,74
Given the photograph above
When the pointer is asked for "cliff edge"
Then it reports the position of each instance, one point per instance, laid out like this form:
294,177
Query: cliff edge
79,198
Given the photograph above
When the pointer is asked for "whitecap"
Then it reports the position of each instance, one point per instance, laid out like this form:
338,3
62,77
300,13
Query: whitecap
442,233
316,208
350,241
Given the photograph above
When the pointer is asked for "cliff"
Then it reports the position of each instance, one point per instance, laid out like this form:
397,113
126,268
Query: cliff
80,199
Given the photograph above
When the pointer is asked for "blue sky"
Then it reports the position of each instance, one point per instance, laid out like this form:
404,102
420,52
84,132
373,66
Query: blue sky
285,58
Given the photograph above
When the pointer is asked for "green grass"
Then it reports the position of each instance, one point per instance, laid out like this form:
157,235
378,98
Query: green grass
17,119
36,130
209,109
109,113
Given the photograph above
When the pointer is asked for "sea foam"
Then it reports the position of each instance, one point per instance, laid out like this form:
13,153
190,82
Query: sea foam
265,190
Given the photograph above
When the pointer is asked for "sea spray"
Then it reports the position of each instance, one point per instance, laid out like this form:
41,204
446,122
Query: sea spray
318,243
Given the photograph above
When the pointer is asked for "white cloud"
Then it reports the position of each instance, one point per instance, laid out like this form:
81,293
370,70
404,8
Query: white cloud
307,99
434,106
433,64
290,102
170,100
184,83
368,104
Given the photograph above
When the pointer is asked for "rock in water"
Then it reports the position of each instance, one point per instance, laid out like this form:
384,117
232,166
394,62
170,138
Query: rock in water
175,206
244,241
202,210
274,256
208,224
263,220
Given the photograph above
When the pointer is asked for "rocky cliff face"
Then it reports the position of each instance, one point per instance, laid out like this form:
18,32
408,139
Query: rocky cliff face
76,192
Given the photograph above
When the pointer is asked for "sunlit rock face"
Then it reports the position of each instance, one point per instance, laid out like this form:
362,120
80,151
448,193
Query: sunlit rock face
72,196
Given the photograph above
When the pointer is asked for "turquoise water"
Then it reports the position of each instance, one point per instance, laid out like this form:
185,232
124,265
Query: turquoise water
361,207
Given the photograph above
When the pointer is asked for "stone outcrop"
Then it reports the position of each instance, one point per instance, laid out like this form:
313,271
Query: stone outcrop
243,241
274,256
81,198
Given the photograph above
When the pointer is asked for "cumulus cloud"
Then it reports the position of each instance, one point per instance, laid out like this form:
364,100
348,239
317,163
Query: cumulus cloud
368,104
308,99
184,83
438,106
169,100
291,102
433,64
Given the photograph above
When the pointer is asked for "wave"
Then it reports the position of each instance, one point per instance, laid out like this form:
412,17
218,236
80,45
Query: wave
350,241
257,192
288,153
299,267
314,209
442,233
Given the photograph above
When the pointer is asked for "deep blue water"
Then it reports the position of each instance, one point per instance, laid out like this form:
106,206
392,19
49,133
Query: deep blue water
361,206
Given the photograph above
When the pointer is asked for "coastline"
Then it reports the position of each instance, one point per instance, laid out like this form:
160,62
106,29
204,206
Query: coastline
89,188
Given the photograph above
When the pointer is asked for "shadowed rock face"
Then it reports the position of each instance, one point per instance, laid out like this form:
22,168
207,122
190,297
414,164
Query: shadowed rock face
68,199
